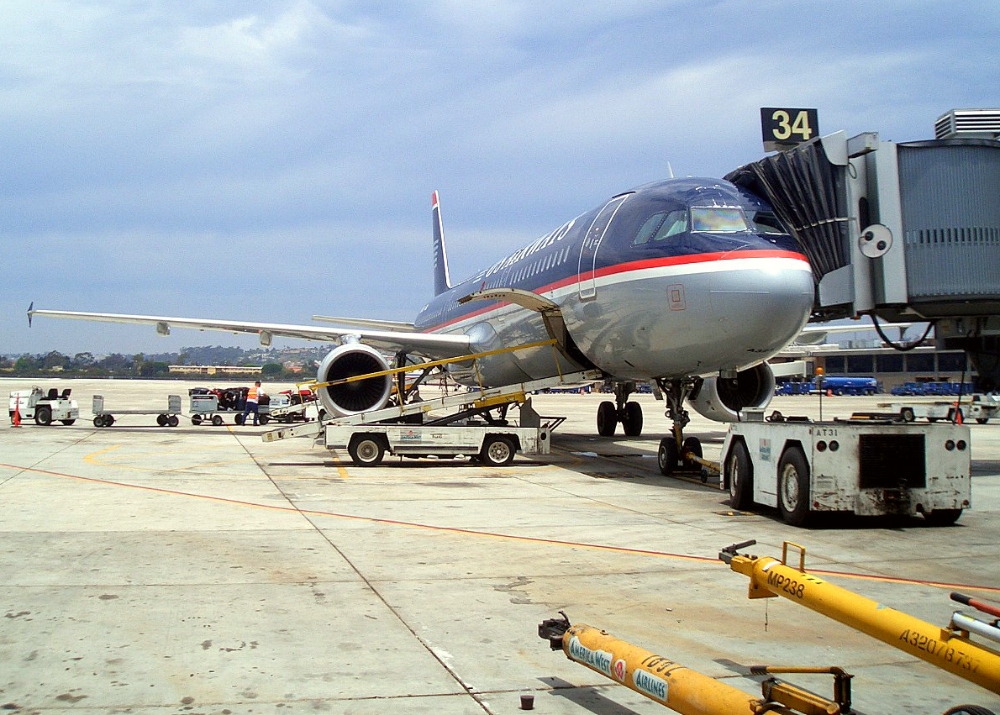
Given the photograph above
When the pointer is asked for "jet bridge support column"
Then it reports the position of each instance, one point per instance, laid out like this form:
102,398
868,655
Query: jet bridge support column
946,649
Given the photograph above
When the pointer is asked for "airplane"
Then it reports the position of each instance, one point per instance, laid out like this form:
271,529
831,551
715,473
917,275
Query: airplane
689,283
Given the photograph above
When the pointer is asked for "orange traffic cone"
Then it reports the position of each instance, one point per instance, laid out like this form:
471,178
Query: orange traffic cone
17,413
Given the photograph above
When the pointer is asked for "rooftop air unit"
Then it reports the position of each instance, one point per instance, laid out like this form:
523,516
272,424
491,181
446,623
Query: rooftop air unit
968,124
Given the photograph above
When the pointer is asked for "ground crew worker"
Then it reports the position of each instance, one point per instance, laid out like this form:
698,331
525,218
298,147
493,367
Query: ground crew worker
253,400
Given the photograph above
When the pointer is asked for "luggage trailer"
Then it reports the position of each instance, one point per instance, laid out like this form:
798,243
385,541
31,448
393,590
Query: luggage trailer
164,418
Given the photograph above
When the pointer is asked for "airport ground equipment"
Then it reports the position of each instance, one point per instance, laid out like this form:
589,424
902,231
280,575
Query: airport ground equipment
684,690
950,649
164,418
289,406
981,408
469,423
868,468
44,407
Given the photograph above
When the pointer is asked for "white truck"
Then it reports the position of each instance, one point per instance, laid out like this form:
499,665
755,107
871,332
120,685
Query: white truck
867,468
981,408
44,407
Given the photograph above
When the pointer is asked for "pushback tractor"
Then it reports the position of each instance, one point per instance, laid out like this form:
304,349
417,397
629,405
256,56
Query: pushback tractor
867,468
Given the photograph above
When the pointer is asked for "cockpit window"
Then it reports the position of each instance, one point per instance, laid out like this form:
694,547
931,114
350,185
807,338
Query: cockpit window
718,219
661,226
766,223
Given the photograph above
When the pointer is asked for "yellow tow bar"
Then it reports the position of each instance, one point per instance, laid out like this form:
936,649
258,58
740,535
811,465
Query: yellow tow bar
948,650
681,689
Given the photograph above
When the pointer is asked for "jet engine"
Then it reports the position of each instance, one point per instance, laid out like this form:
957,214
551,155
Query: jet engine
351,398
722,399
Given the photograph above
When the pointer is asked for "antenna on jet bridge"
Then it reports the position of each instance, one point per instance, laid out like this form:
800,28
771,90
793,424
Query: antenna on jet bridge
442,278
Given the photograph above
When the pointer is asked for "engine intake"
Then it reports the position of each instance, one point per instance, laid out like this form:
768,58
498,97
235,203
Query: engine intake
722,399
351,398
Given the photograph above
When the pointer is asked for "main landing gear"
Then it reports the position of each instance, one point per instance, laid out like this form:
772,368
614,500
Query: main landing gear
677,453
609,414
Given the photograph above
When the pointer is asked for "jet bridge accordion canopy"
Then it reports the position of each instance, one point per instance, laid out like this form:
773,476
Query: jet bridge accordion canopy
938,199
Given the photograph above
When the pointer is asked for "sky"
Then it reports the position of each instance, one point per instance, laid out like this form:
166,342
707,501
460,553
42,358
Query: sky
267,161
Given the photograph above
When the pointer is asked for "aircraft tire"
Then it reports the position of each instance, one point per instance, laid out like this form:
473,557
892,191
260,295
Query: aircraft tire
632,419
607,418
739,473
793,487
666,456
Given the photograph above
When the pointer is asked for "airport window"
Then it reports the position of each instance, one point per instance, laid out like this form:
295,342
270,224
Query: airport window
917,362
859,364
718,219
834,364
889,363
951,362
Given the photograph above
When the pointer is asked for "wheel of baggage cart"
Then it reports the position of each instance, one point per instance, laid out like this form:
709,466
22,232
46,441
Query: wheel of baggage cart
366,450
982,420
67,422
666,456
740,476
906,414
632,419
161,420
238,419
173,421
196,420
43,415
793,487
607,418
498,450
217,420
98,421
264,419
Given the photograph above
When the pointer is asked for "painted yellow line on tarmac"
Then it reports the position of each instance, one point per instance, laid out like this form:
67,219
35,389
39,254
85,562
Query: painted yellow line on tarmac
494,535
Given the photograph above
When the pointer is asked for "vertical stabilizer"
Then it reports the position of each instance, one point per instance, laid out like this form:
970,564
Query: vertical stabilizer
442,279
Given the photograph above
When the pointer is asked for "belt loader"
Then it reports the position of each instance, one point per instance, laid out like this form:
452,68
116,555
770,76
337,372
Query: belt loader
467,427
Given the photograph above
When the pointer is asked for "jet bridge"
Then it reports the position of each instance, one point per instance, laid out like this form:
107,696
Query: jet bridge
898,231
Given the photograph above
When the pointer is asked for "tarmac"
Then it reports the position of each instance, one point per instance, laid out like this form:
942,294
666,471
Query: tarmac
197,569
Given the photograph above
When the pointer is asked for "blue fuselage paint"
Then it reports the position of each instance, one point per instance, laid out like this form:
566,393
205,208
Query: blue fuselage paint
656,282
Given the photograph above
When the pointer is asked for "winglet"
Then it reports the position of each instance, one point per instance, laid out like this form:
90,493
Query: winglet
442,278
30,312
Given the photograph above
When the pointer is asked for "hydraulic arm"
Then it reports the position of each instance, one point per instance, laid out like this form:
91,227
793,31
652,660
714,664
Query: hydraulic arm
950,650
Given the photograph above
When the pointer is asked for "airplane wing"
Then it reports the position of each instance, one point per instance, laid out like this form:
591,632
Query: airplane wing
431,345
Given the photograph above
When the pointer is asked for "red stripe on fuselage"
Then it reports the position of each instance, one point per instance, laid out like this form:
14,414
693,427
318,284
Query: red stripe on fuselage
632,266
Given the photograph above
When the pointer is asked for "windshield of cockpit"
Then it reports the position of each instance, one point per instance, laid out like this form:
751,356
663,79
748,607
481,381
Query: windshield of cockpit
701,219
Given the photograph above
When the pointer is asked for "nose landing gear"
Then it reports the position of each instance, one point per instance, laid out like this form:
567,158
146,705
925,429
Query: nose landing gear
677,454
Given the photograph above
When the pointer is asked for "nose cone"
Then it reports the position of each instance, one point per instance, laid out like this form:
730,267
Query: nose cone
761,309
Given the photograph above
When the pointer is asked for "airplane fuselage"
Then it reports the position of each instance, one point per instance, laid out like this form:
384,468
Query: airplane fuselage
676,278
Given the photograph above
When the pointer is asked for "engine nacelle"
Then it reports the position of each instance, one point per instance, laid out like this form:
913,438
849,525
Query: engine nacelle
722,400
352,398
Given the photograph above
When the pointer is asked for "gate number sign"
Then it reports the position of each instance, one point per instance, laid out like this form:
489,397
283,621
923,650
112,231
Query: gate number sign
782,126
